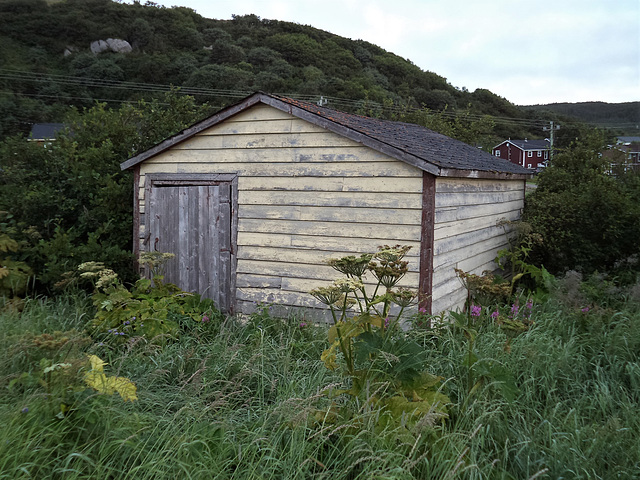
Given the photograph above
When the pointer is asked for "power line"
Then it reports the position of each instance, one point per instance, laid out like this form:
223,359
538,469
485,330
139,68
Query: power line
91,82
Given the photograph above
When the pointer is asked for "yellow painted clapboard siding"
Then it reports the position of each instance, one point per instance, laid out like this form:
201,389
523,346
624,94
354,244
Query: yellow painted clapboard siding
450,214
276,296
261,112
410,184
462,185
331,199
315,184
465,240
280,125
341,169
476,198
353,246
450,259
307,256
334,184
394,233
451,229
451,302
265,140
474,262
279,155
351,214
303,271
479,263
447,286
266,239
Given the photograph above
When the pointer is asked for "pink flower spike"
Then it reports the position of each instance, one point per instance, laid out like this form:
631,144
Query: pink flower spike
422,310
476,310
205,319
585,310
495,314
386,322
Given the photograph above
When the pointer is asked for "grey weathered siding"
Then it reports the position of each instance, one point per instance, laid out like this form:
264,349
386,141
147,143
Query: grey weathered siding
304,195
466,232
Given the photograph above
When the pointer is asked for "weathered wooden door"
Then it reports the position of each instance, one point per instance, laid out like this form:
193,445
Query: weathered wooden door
194,223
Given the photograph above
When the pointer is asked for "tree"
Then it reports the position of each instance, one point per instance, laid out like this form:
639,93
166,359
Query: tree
70,202
589,220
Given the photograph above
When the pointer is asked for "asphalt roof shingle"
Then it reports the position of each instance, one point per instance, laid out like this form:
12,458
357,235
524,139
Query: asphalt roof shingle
419,141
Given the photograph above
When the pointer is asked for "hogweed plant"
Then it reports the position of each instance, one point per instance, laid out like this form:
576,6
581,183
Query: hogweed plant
151,309
384,368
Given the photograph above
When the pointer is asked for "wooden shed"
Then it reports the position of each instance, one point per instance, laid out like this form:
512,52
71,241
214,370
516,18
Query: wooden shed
254,199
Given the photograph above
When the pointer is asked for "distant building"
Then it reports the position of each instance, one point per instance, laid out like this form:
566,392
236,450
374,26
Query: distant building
531,154
624,155
45,132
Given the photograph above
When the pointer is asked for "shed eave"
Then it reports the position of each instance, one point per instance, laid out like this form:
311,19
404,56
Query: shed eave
458,173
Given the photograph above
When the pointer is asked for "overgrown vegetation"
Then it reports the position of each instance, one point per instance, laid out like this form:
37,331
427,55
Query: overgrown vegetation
587,216
68,202
248,399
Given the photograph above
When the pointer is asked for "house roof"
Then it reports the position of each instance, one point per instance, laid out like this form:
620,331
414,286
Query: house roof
413,144
628,140
527,144
45,131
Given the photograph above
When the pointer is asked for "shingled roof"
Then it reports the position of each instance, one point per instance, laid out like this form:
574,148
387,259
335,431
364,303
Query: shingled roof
527,145
411,143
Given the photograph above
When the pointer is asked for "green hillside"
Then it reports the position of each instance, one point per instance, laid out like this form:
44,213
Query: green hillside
623,117
218,61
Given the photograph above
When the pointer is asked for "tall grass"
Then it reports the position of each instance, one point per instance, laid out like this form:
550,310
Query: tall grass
245,400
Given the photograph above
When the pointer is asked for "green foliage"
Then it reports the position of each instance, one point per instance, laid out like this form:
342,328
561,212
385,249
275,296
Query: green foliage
169,48
250,401
70,202
589,220
14,275
385,368
152,310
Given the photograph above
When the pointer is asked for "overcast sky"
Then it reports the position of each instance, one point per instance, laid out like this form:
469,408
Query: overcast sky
528,51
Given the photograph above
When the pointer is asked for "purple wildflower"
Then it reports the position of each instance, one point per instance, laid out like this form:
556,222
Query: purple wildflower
127,322
476,310
495,314
584,309
303,324
386,323
25,410
205,319
529,306
422,310
514,309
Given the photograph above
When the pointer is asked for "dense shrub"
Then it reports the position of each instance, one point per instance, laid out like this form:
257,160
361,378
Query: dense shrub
588,218
69,201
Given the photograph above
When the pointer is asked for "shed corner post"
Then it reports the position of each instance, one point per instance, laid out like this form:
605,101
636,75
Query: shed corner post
426,242
136,218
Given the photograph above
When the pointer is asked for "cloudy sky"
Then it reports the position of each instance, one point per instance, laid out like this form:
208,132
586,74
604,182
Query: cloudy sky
528,51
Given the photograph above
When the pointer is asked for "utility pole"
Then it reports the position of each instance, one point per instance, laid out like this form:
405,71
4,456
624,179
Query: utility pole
551,128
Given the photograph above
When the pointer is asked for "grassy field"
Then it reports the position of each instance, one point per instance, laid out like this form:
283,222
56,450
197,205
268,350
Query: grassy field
249,400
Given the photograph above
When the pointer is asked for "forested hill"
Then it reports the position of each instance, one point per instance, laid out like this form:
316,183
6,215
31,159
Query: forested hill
47,65
623,116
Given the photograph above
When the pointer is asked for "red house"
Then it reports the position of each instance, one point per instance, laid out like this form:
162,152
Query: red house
531,154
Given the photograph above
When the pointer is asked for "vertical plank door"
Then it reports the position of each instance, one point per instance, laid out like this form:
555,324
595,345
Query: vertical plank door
194,223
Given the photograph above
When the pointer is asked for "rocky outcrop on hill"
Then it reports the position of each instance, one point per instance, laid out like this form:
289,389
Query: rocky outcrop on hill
116,45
